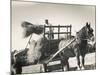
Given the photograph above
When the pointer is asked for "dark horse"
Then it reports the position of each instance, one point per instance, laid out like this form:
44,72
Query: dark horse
77,47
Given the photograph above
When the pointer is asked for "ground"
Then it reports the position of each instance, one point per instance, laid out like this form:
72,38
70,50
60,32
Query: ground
90,64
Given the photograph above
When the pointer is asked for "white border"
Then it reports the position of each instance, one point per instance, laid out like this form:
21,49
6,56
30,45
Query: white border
90,2
5,36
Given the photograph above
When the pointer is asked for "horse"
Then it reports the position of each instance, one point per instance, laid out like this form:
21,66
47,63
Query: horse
38,50
77,48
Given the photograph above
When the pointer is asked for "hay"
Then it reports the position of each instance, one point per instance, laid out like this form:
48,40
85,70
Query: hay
30,28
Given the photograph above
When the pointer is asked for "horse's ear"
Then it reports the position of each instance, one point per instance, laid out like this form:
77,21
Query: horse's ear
90,24
87,24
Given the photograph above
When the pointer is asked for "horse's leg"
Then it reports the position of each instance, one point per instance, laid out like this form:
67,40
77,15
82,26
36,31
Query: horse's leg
18,70
78,62
64,62
78,59
61,60
66,66
83,61
13,72
41,68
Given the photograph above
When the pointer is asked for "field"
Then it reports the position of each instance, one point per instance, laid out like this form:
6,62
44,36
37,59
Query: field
90,64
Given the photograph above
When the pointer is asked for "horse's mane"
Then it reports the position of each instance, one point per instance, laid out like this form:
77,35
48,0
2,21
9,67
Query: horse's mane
82,33
30,28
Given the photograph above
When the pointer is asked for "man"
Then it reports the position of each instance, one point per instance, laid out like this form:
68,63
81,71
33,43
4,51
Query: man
50,35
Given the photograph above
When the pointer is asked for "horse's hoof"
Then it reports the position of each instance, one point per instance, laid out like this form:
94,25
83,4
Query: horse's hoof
82,68
78,68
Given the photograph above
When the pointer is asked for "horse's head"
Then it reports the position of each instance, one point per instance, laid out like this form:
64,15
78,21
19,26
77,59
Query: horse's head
89,31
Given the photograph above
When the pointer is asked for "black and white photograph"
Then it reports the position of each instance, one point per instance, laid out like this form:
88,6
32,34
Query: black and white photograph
52,37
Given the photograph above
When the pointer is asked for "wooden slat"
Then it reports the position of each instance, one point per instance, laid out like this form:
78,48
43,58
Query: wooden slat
70,30
57,26
59,33
58,30
54,67
44,31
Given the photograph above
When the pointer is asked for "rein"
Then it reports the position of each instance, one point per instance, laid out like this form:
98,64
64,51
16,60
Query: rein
86,39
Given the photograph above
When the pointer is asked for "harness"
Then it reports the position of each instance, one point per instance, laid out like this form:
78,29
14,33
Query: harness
28,41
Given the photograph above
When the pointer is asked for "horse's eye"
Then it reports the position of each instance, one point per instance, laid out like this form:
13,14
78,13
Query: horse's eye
90,30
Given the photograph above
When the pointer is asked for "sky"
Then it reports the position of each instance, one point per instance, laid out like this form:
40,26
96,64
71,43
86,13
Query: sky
36,13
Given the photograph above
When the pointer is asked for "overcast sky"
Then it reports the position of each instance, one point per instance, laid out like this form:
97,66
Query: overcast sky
36,13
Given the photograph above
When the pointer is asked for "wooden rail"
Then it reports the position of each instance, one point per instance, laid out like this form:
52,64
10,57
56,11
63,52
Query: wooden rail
68,30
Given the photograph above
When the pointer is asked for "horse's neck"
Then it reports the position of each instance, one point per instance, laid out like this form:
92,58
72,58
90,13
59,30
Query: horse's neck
82,34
